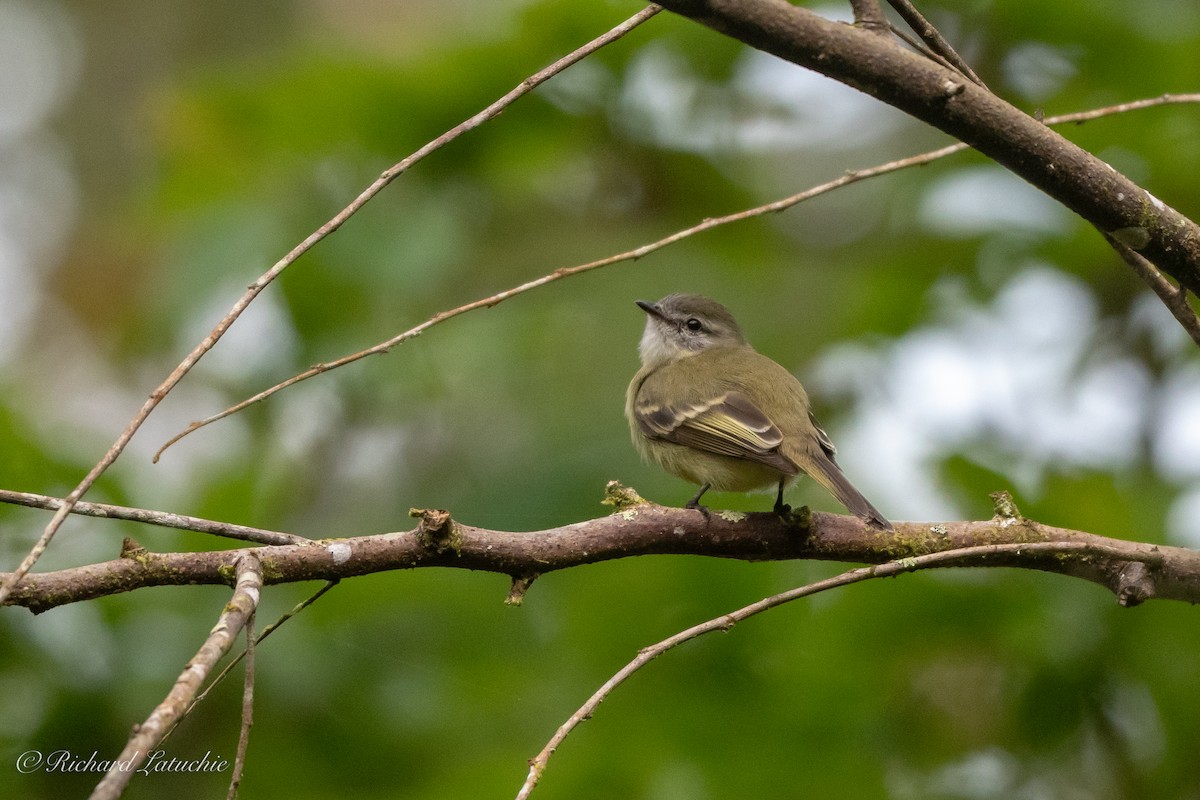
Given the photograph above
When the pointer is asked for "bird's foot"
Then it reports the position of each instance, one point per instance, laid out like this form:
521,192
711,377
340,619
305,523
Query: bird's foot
799,519
694,505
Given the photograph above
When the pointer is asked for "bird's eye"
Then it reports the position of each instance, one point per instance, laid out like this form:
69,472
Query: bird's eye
694,324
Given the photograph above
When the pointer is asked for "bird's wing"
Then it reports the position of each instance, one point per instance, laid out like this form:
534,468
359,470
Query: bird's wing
823,438
728,425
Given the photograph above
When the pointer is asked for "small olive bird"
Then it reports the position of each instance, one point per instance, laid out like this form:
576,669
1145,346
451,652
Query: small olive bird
708,408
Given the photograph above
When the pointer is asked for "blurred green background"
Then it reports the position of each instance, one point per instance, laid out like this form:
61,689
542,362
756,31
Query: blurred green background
958,331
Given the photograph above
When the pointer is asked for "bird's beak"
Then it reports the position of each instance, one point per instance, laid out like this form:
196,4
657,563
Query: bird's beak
650,309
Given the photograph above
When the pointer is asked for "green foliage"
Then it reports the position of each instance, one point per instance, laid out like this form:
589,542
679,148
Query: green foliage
234,146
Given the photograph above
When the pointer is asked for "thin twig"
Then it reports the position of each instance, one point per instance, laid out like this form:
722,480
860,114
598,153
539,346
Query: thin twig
239,761
930,35
162,518
267,631
1173,297
1121,108
147,736
918,47
267,277
961,556
639,252
564,272
490,112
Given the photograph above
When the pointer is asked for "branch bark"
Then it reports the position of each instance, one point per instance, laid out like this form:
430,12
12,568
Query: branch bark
1133,571
972,114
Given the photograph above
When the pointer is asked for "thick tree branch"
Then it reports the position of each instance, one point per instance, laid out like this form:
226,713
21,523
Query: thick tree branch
1133,571
970,113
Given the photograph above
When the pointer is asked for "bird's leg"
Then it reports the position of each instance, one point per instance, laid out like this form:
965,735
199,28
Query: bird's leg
695,501
781,508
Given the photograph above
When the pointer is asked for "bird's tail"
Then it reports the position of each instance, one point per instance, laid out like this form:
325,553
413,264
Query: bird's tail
826,472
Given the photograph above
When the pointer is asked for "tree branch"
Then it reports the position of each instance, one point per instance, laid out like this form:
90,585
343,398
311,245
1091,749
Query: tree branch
165,519
150,733
774,207
239,760
209,342
970,113
1133,571
537,765
936,42
1173,297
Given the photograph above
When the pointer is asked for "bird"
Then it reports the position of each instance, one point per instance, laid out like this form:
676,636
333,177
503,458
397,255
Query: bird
709,408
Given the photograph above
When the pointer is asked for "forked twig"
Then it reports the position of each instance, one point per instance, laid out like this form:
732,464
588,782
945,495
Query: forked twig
147,736
930,35
267,631
638,252
961,557
1173,297
267,277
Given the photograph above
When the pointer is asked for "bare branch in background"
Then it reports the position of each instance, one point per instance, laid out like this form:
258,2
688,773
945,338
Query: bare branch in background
147,736
163,519
239,760
893,74
267,277
538,764
773,207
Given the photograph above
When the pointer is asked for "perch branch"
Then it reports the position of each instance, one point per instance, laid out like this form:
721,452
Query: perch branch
640,528
147,736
